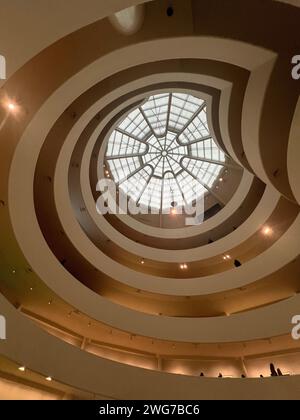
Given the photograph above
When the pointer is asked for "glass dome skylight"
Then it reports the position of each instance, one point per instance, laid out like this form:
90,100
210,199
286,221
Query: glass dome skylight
162,154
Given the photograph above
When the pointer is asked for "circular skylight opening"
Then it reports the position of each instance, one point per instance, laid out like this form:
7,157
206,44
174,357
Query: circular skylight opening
163,152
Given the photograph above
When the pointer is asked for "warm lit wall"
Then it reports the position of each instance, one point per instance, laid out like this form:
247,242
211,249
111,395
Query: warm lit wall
15,391
287,363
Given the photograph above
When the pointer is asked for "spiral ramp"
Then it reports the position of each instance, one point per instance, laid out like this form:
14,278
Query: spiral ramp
100,304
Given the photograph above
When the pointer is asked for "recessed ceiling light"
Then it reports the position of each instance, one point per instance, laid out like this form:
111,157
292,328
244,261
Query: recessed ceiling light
22,368
49,379
267,231
11,106
221,179
142,262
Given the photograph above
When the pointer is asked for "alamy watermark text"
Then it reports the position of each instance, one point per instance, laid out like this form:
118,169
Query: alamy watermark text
2,328
2,68
296,329
296,68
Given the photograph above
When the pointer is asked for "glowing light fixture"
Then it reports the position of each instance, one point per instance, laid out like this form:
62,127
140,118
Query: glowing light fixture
267,231
11,106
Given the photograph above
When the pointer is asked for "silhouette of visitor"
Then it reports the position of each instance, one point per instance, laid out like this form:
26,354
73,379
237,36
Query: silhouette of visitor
170,11
279,372
237,263
273,370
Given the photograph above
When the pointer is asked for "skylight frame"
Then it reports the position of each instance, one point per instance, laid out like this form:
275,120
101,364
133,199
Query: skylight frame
175,124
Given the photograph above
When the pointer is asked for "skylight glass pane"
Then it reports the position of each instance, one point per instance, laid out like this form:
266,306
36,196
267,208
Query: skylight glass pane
163,153
136,125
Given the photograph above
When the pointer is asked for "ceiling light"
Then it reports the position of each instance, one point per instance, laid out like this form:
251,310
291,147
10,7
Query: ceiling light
142,262
174,212
11,106
221,179
183,266
267,231
22,368
49,379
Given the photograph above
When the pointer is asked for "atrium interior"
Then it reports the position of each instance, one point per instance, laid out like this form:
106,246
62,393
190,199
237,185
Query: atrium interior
149,200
